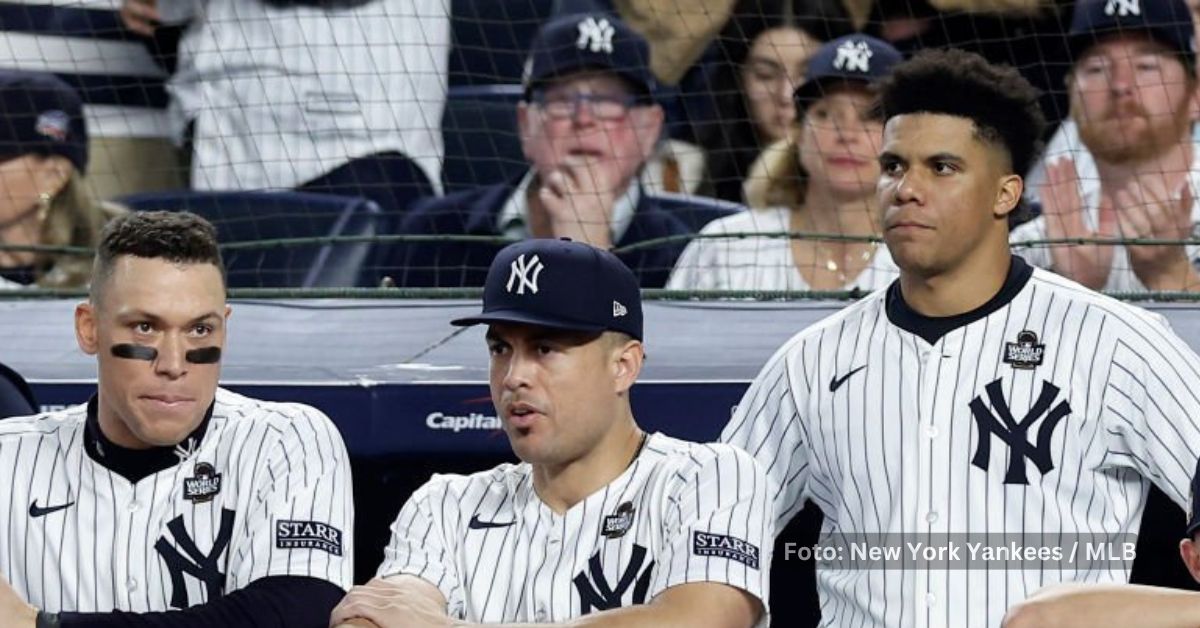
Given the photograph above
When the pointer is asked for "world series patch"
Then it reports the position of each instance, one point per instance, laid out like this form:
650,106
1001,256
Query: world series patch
203,486
725,546
616,525
1026,352
308,535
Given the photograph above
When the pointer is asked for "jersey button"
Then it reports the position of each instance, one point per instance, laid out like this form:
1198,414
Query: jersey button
131,584
931,431
930,599
931,517
134,506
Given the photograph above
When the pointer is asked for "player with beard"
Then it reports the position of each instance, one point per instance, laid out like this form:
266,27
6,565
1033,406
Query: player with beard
1132,92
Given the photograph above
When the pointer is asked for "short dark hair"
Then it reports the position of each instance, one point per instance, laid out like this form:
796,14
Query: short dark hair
178,237
996,98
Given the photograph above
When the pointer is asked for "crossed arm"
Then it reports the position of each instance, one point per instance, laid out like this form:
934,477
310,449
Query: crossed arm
409,602
1101,606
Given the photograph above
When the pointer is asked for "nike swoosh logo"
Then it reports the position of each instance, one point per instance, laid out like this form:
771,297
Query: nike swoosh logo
36,511
476,524
837,382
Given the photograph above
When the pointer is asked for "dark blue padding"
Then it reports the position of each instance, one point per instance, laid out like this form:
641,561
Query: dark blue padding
16,397
479,129
490,39
255,216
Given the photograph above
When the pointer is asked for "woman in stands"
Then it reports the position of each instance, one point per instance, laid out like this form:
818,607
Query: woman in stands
765,47
822,181
43,156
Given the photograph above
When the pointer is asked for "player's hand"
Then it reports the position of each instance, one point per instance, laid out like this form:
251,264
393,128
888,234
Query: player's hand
140,16
14,611
385,605
1089,264
579,198
1148,210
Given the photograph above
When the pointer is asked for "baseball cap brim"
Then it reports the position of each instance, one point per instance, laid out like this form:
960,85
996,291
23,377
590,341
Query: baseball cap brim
1079,43
636,81
813,90
527,318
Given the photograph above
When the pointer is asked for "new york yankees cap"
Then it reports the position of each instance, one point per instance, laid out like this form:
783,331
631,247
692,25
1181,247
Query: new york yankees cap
857,58
560,284
1167,21
588,41
41,114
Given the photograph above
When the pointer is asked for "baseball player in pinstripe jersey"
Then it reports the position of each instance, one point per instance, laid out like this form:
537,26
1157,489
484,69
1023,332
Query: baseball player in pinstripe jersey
601,524
976,395
166,501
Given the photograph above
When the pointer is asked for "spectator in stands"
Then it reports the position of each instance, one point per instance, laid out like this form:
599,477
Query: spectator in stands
823,182
587,123
339,96
765,48
122,86
43,157
1133,97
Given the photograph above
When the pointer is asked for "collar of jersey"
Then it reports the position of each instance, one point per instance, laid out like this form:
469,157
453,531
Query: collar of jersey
932,328
132,464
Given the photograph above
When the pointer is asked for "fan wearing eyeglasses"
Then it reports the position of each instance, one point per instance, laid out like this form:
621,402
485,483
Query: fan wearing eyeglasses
588,123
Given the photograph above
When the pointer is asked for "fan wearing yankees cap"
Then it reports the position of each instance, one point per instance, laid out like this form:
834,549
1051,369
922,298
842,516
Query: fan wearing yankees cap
601,524
588,123
822,181
1132,172
43,201
1119,605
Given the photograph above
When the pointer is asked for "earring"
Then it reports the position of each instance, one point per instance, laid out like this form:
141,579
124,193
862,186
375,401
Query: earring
43,205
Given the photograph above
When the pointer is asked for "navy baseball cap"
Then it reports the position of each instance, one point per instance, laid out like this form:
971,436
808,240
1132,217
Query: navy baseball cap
859,58
1167,21
560,284
1194,520
588,41
39,113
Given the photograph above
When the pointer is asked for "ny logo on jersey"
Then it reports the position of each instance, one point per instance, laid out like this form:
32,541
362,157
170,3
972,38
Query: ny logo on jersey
203,567
1014,432
596,35
1122,8
524,274
853,56
595,592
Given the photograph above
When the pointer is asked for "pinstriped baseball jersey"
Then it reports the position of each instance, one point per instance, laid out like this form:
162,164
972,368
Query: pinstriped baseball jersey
261,489
681,513
1046,412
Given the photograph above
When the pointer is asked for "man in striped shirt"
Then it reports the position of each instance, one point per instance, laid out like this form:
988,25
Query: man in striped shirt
166,501
975,400
601,524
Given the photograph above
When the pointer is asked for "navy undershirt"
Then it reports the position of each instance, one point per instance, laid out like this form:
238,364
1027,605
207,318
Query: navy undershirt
932,328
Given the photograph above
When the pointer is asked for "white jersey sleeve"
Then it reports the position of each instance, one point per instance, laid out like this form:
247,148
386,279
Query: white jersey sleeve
1152,408
301,515
717,527
767,424
422,540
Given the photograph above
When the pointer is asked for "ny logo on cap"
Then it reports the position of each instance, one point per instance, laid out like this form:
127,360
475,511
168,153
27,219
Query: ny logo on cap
853,56
524,274
595,35
1122,8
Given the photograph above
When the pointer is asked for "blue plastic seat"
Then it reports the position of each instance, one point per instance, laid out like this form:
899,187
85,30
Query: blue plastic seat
245,217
